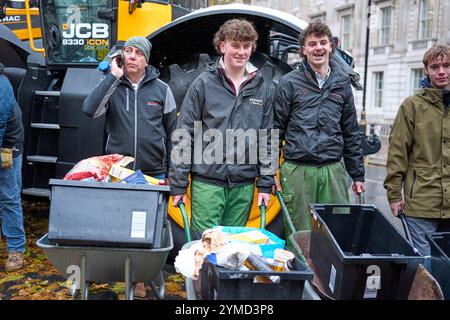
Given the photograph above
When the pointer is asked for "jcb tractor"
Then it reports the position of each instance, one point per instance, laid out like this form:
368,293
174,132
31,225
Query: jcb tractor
77,34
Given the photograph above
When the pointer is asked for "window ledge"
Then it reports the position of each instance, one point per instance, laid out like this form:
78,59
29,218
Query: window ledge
422,44
348,6
383,49
318,14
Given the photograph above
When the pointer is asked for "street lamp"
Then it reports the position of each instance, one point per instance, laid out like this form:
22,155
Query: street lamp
363,123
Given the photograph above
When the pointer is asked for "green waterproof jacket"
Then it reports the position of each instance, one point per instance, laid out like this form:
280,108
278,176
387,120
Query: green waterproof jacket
419,156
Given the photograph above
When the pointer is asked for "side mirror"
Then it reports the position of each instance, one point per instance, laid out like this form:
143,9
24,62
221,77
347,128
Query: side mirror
2,9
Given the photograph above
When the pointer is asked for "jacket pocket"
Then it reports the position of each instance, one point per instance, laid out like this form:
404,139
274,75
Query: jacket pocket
412,184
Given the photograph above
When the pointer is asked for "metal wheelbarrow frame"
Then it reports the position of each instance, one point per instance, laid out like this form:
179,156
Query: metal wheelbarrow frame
107,264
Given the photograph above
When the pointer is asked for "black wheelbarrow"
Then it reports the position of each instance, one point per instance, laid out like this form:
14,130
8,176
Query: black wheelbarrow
219,283
191,284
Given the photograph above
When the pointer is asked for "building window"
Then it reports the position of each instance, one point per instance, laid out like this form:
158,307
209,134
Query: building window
379,84
416,78
295,4
385,27
426,15
345,32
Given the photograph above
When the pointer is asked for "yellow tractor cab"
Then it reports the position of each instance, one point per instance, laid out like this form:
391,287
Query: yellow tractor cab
15,18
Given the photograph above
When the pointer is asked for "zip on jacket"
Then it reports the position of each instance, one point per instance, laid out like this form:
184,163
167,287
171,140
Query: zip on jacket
412,185
136,128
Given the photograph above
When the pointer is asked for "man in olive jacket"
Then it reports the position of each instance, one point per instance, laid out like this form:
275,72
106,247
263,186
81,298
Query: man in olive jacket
419,153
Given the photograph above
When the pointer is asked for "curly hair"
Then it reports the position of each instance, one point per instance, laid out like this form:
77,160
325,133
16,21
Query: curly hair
318,29
436,51
237,30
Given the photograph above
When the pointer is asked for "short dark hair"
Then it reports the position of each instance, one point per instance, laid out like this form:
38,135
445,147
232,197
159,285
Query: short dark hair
238,30
318,29
435,52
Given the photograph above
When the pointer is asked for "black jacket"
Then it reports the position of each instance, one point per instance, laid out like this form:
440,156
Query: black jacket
319,125
139,123
212,102
13,135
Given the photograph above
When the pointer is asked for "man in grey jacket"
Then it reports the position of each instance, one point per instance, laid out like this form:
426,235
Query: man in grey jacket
140,112
230,99
140,109
315,113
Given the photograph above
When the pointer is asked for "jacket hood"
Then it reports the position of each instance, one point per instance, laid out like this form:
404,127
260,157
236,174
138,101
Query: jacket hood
425,82
431,95
338,71
152,73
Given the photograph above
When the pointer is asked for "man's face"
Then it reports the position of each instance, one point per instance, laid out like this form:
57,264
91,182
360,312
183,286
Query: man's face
439,72
317,50
135,61
236,53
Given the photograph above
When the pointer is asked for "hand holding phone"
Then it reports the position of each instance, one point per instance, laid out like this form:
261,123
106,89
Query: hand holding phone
117,64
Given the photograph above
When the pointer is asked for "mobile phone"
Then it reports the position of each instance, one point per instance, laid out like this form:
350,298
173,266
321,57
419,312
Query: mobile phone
119,60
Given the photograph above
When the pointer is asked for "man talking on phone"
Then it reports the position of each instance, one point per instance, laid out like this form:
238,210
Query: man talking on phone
140,112
140,109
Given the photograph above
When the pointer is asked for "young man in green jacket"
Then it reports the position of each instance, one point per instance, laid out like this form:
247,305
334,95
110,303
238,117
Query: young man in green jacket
230,99
419,154
315,113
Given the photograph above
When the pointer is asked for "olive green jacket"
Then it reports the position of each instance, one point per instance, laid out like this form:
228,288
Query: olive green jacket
419,156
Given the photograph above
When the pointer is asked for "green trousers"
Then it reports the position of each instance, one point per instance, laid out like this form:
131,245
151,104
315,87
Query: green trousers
303,185
213,205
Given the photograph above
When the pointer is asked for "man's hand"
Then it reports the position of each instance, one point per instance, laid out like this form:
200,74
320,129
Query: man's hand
358,187
7,158
263,198
116,71
176,199
397,207
276,186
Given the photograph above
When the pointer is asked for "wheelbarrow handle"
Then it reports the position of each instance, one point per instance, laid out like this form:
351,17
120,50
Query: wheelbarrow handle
361,198
402,217
262,209
285,212
184,214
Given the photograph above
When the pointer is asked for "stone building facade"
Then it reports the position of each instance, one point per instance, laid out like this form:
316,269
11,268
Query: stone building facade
400,33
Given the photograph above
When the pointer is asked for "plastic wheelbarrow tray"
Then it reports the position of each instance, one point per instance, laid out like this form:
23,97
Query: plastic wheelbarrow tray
359,254
217,283
107,214
105,264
